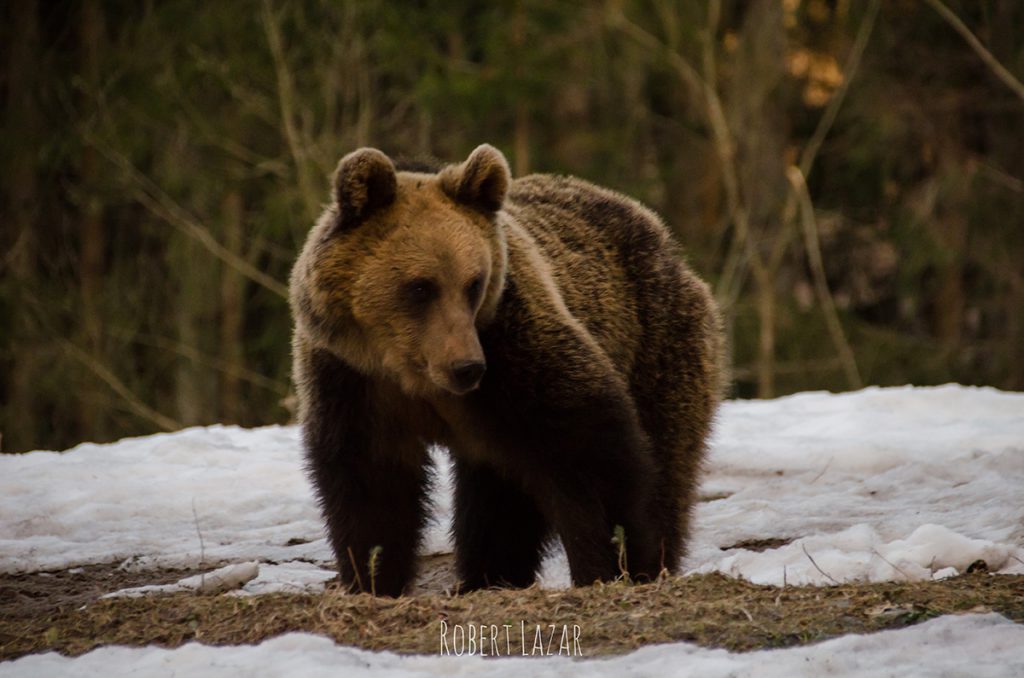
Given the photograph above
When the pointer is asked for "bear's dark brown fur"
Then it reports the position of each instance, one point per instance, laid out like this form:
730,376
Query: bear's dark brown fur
545,330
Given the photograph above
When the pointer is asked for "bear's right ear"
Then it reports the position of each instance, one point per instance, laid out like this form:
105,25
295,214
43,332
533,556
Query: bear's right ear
364,182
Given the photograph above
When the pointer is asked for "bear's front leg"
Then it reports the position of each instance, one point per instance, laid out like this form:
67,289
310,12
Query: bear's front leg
563,424
369,475
499,531
374,517
596,488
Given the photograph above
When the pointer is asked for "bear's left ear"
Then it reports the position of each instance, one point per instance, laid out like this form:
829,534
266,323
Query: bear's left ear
364,182
481,182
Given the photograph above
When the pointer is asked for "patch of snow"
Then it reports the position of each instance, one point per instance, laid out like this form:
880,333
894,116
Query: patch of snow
150,498
876,485
879,484
968,645
860,554
222,579
291,577
926,476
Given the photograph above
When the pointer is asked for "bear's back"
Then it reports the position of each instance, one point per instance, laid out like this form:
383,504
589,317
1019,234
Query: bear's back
586,217
610,256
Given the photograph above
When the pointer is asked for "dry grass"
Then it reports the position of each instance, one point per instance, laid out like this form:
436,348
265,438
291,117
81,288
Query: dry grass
39,613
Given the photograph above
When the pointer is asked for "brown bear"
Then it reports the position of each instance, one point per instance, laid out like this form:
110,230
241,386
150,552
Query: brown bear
543,329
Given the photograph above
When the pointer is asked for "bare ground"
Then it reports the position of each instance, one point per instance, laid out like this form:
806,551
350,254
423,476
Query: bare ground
63,611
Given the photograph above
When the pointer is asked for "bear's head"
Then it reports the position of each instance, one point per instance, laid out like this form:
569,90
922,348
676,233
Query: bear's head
403,268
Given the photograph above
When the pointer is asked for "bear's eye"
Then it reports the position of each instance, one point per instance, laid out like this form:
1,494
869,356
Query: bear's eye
474,289
419,292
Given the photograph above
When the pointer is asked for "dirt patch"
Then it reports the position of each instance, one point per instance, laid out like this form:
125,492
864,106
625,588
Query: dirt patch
759,544
39,594
711,610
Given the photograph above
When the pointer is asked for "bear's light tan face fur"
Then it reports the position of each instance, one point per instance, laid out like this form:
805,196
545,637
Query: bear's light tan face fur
406,267
417,295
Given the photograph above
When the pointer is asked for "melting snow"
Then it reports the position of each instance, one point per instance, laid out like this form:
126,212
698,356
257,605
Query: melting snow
904,483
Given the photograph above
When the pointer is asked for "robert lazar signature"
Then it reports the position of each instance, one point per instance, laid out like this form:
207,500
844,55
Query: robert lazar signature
522,639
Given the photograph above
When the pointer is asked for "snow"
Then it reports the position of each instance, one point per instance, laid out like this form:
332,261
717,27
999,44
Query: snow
222,579
930,552
882,484
940,647
879,484
215,494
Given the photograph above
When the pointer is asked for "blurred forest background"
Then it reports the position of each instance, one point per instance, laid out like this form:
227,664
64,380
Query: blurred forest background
849,175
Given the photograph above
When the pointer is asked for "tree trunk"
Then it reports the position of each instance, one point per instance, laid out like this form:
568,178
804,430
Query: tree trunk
521,155
766,337
232,312
196,277
522,141
93,237
20,409
950,302
1014,380
187,391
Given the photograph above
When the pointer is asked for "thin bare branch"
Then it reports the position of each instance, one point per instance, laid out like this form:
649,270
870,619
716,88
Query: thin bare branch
197,356
813,246
743,239
828,118
1001,178
110,379
687,73
725,147
823,572
892,565
286,103
997,68
172,213
824,126
741,248
822,472
159,203
202,544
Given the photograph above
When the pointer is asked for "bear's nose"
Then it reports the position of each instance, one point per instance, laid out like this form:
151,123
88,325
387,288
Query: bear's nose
466,374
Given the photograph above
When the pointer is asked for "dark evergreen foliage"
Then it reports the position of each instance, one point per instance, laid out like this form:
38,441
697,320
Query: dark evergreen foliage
162,162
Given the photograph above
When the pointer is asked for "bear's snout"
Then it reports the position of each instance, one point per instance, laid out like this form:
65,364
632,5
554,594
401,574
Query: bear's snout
465,375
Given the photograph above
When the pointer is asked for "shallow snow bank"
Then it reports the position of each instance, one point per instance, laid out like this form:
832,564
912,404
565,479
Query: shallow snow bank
878,484
871,430
222,579
860,554
201,495
150,498
974,645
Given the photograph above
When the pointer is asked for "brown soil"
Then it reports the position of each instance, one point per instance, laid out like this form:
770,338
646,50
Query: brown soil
39,594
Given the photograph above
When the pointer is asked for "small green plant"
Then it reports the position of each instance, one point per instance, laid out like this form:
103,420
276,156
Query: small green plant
372,566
